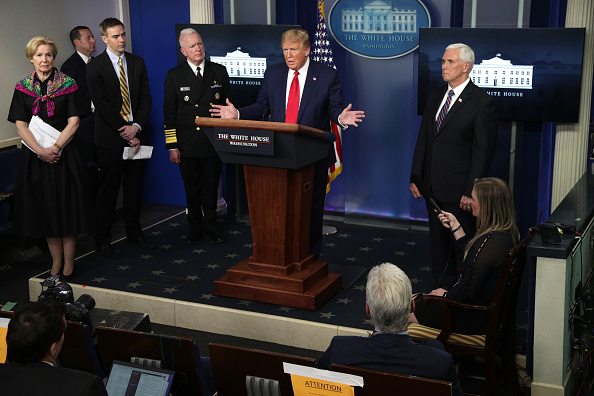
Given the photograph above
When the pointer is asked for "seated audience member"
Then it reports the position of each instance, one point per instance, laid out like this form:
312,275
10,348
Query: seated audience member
389,348
479,258
34,339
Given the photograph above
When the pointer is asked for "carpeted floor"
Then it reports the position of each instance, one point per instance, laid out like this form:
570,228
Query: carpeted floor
176,270
179,271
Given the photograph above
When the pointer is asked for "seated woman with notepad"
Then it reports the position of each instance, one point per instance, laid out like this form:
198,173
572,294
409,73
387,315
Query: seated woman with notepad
49,193
479,257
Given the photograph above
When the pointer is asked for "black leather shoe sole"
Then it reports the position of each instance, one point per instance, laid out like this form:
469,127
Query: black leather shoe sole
108,251
215,237
192,239
141,242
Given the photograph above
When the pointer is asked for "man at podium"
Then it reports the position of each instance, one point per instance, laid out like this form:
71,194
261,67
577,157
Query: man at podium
301,91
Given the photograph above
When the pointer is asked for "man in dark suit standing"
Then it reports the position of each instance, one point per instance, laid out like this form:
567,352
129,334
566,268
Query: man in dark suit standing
190,89
119,88
301,91
34,339
76,67
455,146
389,348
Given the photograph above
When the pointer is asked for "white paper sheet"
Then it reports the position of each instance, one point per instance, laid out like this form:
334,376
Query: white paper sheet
45,134
145,152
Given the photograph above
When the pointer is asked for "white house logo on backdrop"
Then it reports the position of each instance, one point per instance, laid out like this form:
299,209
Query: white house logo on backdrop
501,73
241,64
378,29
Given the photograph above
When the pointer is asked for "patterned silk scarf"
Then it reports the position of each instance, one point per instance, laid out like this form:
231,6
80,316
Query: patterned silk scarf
61,84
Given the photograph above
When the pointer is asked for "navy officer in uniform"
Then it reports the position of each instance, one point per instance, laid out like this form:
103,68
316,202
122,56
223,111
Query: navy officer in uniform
190,90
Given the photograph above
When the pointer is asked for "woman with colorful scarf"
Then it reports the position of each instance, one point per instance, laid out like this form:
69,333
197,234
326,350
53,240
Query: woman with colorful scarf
49,193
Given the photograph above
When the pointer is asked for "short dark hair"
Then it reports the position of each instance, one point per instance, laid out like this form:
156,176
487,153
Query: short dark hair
75,33
108,23
32,331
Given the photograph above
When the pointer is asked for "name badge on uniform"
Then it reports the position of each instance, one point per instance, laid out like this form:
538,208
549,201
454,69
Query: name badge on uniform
184,89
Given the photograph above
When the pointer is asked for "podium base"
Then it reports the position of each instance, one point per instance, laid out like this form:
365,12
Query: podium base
307,289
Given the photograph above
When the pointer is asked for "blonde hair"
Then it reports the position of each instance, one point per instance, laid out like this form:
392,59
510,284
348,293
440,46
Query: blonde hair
496,209
296,36
35,42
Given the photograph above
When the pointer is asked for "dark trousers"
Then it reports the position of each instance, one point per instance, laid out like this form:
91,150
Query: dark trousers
443,254
115,172
201,181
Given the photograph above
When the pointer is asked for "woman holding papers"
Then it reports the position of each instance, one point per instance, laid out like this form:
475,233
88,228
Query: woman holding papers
50,196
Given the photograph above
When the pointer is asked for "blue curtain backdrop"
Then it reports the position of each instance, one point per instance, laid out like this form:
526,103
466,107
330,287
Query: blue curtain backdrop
377,155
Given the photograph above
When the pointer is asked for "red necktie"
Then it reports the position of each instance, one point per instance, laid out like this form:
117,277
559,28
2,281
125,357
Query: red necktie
293,102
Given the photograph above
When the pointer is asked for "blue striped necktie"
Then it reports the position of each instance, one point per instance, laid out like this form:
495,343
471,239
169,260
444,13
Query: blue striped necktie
444,110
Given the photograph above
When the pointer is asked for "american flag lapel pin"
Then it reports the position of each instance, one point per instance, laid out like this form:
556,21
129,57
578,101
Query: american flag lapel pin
460,100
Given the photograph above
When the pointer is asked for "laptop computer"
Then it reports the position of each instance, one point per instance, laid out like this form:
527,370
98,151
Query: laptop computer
129,379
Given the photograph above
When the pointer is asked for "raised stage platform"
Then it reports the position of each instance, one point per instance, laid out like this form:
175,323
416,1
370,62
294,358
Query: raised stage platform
174,283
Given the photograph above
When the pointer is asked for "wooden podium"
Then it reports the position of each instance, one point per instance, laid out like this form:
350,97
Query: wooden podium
279,189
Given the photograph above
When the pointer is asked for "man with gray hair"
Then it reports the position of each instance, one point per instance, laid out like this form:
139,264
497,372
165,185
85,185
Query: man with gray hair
455,146
191,89
389,348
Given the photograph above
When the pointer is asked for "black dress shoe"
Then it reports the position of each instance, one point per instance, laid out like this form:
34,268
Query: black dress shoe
107,251
141,242
215,237
68,278
192,239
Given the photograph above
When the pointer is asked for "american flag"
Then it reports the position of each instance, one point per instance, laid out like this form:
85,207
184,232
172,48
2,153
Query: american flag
321,52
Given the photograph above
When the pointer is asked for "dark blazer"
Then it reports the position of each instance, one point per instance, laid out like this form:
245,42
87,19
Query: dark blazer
42,379
76,68
394,353
321,100
104,87
185,99
449,161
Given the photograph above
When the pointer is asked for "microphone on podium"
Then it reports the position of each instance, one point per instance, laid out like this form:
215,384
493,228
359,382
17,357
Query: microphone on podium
269,112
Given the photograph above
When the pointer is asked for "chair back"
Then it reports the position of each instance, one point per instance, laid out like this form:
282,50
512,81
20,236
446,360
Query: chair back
231,365
502,319
79,351
178,354
377,382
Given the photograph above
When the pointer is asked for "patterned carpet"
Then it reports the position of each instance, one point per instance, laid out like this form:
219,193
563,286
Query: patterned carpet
179,271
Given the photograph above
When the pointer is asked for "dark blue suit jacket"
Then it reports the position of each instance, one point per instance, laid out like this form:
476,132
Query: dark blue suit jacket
104,88
321,100
76,68
449,161
42,379
394,353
